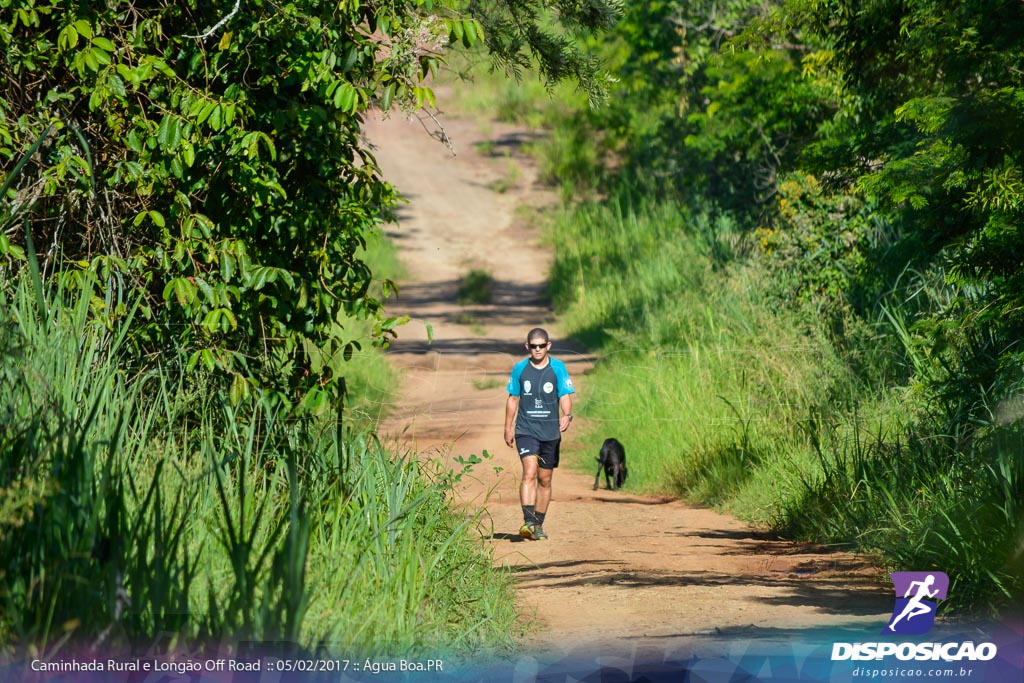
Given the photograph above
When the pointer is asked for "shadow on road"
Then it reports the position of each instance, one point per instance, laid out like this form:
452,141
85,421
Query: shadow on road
848,595
828,582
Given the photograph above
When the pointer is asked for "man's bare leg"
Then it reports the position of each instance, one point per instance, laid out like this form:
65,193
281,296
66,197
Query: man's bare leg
543,496
528,486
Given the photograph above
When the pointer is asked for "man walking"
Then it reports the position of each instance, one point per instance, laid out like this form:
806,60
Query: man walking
538,387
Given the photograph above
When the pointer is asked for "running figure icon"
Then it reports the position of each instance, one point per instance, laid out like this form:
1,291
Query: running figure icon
916,607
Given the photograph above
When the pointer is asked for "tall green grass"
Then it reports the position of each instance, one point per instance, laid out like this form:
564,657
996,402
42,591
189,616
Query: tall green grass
413,575
696,377
75,518
134,515
732,399
905,496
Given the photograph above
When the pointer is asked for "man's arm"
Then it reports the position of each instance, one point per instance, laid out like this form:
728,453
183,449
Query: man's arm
565,402
511,408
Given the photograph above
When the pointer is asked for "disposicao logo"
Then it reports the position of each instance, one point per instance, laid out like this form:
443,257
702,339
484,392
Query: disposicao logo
917,596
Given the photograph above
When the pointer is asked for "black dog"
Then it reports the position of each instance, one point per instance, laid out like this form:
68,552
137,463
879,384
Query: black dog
613,460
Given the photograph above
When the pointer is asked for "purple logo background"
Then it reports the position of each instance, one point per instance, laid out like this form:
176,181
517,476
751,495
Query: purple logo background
917,595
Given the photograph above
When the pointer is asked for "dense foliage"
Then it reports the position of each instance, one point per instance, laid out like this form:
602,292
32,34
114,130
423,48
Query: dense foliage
867,158
211,156
795,114
932,128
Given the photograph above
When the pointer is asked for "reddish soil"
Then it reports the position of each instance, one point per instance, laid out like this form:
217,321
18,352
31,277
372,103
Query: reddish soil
644,572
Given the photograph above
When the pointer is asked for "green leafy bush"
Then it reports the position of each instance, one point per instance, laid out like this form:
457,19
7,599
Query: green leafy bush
211,157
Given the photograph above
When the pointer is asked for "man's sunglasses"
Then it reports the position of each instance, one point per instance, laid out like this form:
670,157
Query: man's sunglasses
538,346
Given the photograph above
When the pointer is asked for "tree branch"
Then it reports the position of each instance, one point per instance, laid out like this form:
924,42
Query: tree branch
215,27
440,134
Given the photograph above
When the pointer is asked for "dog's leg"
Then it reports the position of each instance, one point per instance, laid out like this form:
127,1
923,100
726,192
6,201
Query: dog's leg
597,477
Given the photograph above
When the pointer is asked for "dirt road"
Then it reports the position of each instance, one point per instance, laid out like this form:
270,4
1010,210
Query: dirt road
637,571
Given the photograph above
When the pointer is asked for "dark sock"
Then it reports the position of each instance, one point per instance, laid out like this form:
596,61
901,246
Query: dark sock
529,516
540,517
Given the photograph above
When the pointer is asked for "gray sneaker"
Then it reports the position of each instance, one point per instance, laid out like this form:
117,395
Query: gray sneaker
538,533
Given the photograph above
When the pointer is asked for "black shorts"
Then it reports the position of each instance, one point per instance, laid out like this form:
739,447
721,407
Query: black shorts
546,451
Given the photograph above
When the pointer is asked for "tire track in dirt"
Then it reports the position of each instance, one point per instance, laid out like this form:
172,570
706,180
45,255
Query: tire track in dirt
643,573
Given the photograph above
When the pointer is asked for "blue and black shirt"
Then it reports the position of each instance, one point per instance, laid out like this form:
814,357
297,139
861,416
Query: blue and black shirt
538,390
